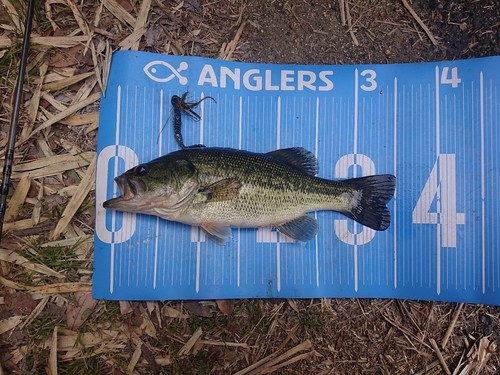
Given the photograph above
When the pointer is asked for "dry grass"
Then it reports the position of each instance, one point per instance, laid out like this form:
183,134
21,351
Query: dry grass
48,320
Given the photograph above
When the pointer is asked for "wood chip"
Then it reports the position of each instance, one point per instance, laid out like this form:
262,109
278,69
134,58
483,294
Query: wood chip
11,284
119,12
10,323
173,313
69,241
19,225
70,340
34,165
140,27
37,208
66,82
190,343
52,367
69,111
57,288
226,343
80,20
76,200
18,198
135,358
34,102
52,165
5,42
59,41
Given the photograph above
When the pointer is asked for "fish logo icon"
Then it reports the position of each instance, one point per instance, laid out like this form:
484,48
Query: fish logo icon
161,71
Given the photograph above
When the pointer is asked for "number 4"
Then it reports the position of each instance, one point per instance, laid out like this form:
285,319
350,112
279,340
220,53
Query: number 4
441,185
453,80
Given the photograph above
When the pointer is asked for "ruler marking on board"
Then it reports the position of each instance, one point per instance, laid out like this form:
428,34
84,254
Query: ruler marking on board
493,264
316,145
438,195
160,120
278,235
395,140
113,214
240,134
146,260
483,194
464,135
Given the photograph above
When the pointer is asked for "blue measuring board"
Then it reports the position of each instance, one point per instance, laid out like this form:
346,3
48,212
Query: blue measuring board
436,126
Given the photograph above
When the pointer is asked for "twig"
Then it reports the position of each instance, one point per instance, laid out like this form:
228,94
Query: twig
231,46
440,356
452,325
429,367
349,24
272,360
342,12
420,22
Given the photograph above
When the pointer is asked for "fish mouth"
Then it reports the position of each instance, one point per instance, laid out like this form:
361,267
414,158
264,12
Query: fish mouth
129,188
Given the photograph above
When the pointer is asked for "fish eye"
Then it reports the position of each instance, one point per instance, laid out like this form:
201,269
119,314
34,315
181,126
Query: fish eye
141,170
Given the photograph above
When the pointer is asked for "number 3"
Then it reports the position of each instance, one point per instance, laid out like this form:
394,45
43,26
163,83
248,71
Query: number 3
370,76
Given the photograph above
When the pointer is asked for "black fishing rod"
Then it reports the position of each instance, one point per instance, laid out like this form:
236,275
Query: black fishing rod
9,155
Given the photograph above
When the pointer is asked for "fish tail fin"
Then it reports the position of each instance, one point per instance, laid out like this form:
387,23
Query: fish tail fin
371,207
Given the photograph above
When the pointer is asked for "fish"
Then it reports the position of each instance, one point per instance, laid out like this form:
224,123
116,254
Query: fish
219,188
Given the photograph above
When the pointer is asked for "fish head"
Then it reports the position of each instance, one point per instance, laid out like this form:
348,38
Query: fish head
159,187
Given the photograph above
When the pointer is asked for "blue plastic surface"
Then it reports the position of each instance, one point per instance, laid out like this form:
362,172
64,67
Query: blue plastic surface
435,126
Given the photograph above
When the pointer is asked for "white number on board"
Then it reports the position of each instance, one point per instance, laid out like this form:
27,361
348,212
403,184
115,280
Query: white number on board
367,167
441,187
452,80
105,230
370,76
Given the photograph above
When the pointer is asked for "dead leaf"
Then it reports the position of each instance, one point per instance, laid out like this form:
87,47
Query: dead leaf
19,303
198,309
72,56
78,312
226,306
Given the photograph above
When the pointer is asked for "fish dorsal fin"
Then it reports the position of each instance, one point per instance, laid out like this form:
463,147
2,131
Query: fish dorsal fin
302,228
222,190
298,157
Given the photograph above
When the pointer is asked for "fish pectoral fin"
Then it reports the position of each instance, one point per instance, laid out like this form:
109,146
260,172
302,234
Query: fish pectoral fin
222,190
218,233
298,157
301,229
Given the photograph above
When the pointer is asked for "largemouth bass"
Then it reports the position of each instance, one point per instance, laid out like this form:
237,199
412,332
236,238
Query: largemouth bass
217,188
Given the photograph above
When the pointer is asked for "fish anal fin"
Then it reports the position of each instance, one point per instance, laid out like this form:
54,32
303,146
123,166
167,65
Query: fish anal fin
298,157
301,229
222,190
219,233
